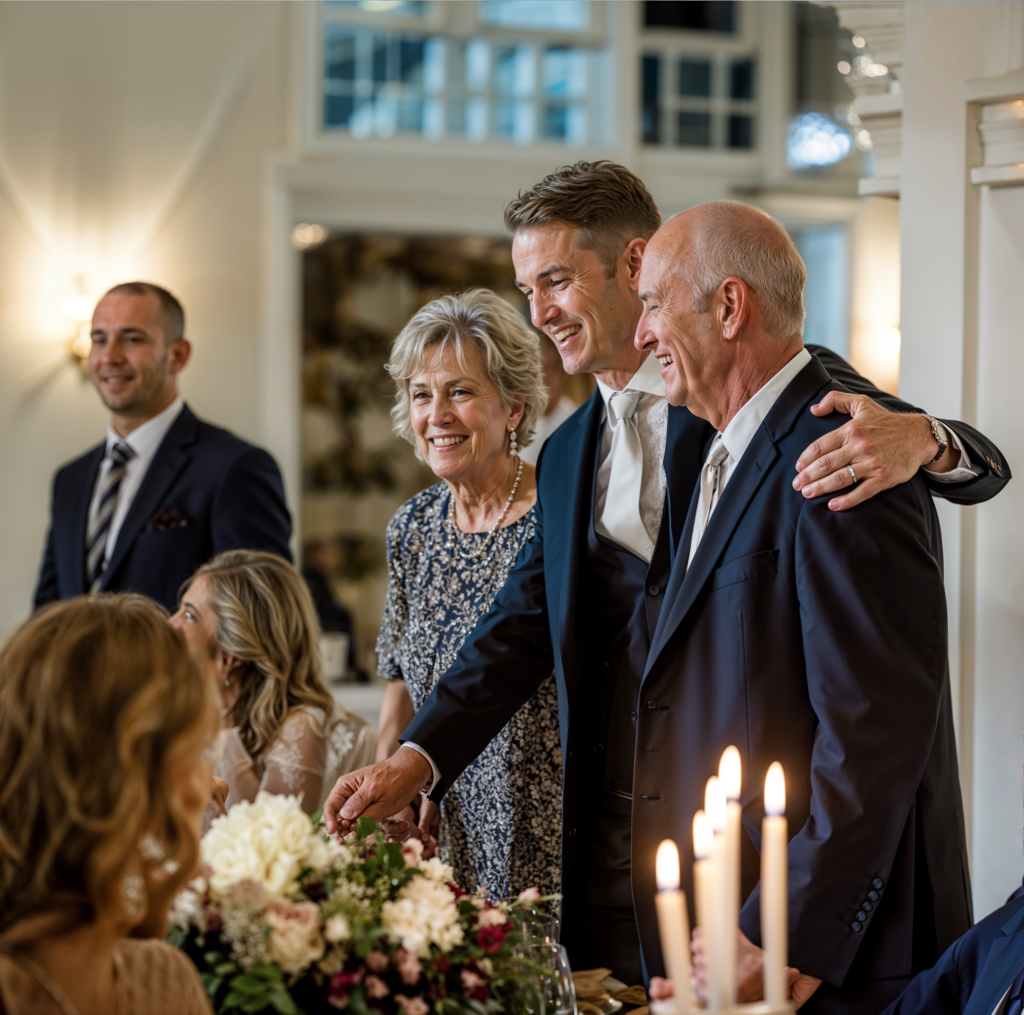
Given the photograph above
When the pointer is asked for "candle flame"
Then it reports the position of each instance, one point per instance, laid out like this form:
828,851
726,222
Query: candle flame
667,867
729,770
775,790
714,804
703,836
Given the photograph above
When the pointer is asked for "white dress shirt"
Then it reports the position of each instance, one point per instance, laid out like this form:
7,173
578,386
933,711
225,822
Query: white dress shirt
144,441
741,429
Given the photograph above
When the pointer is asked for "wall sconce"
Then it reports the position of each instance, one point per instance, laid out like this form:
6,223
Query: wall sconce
79,308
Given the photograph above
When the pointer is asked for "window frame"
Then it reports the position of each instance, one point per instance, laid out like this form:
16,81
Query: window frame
457,22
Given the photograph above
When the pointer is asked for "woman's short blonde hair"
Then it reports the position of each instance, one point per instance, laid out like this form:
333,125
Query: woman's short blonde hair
509,347
266,619
99,698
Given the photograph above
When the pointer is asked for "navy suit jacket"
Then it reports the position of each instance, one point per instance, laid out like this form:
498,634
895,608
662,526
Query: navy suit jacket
220,492
974,972
534,626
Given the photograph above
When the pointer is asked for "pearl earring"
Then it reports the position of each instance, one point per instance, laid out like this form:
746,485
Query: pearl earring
513,449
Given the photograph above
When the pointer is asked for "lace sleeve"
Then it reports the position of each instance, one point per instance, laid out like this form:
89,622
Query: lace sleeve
297,760
395,618
233,764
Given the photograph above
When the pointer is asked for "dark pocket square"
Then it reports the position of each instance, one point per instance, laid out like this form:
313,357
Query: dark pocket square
165,519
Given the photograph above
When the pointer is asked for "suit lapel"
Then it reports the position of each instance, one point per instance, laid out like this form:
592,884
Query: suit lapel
685,582
581,451
685,443
171,457
1005,958
77,522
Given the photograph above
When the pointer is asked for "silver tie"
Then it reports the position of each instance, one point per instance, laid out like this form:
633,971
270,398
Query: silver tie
96,539
621,518
710,486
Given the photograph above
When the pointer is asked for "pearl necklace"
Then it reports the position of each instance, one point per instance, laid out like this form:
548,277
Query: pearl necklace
497,525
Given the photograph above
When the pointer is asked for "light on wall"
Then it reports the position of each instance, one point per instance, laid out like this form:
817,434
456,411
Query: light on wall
78,307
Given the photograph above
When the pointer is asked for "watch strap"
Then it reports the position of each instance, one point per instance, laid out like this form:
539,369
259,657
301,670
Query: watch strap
940,434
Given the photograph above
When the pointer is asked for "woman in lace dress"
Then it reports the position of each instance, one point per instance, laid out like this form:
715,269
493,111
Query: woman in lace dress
96,838
470,391
250,617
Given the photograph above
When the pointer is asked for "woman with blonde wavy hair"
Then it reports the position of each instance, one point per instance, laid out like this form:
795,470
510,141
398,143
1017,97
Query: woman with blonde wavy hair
104,723
250,617
469,392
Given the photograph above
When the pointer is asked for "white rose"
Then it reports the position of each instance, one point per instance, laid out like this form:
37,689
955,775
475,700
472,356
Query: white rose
295,940
337,929
437,871
293,832
230,860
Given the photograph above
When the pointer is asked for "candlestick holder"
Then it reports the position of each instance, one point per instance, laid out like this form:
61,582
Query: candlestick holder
754,1008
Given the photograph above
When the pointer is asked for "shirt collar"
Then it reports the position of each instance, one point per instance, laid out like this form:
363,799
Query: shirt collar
740,432
647,379
145,439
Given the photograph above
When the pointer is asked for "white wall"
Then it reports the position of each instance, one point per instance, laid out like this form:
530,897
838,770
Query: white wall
132,144
961,344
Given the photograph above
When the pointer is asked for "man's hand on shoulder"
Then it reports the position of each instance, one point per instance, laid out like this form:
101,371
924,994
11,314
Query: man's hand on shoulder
377,791
883,448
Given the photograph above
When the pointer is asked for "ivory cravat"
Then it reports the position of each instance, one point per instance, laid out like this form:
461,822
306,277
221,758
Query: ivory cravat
96,539
621,518
710,489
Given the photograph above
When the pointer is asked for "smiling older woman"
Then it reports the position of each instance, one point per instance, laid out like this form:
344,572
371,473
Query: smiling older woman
470,392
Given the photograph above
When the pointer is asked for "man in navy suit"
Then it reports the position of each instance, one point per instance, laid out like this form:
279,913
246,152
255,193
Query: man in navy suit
802,635
980,974
165,491
586,595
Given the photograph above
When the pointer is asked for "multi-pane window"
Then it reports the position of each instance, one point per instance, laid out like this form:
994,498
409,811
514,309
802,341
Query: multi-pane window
698,101
698,80
479,84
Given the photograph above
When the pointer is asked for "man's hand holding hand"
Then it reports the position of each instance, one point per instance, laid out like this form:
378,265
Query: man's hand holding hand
884,448
377,791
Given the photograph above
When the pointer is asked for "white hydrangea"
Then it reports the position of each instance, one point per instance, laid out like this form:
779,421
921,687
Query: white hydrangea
424,913
268,842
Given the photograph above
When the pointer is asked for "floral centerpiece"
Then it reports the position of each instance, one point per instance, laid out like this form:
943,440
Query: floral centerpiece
285,919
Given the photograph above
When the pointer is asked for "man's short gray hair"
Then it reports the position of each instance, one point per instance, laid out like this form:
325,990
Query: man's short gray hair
738,240
510,350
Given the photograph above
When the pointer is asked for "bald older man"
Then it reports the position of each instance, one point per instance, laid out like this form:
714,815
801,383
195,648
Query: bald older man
799,634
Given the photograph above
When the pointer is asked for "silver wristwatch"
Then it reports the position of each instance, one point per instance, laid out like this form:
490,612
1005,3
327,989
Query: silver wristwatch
940,435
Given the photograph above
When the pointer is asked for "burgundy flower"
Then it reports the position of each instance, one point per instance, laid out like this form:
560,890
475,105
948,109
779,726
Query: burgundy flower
473,985
343,981
490,939
441,964
214,923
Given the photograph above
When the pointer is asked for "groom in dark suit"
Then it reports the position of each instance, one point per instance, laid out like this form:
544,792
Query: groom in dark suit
165,491
614,484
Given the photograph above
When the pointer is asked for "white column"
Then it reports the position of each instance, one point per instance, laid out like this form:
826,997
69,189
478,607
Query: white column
946,45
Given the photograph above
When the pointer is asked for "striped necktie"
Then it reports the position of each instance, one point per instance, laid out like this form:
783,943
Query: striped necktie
99,529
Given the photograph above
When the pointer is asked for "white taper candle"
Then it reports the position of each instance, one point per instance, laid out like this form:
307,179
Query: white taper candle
704,891
730,777
715,806
774,887
673,923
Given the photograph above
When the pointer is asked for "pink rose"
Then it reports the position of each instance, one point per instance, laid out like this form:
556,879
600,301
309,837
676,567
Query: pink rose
376,988
377,961
473,986
295,940
412,1005
529,895
409,966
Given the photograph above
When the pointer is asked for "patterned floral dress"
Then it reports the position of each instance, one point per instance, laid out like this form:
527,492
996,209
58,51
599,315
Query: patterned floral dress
501,820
